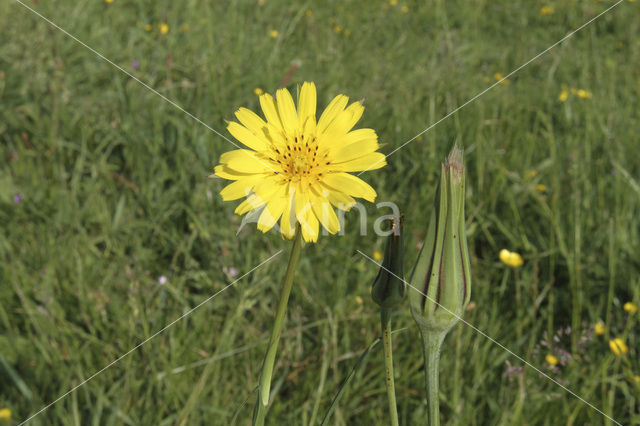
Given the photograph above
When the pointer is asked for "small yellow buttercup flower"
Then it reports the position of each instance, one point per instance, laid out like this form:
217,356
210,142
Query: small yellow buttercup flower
541,187
618,346
532,174
551,360
486,79
164,28
512,259
630,307
583,94
148,27
308,13
404,9
337,29
377,255
258,91
296,169
547,10
599,328
564,94
499,77
393,2
108,1
5,414
274,33
636,379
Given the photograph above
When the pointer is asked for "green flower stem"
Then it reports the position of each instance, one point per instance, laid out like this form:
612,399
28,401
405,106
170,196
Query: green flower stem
385,320
270,356
431,344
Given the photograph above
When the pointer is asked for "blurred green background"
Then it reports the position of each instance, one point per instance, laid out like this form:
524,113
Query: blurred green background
111,229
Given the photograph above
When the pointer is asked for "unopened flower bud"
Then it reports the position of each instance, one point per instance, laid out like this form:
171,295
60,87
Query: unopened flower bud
389,286
442,273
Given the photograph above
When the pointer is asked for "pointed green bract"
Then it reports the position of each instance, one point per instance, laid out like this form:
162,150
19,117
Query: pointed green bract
389,286
441,277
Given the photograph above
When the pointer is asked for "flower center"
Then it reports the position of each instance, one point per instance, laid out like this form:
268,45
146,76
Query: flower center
300,163
299,157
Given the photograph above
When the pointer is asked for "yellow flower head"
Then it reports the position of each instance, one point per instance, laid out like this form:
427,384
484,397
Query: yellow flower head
273,33
499,77
564,95
599,328
377,255
618,347
164,28
5,414
540,187
551,360
296,168
583,94
308,13
405,9
510,258
547,10
258,91
108,1
148,27
630,307
393,2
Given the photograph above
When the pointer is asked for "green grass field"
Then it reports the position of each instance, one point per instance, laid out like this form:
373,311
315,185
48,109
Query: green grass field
104,190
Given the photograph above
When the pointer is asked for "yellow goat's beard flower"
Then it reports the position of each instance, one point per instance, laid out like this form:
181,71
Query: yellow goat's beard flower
296,169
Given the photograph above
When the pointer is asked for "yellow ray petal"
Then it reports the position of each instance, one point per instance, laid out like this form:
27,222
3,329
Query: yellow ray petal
345,120
350,185
307,102
227,173
238,189
325,213
272,213
337,198
310,227
335,107
244,161
371,161
247,137
269,110
355,149
288,221
251,203
251,121
268,186
287,111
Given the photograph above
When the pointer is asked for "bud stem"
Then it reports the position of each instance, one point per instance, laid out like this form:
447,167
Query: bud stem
270,356
385,321
431,344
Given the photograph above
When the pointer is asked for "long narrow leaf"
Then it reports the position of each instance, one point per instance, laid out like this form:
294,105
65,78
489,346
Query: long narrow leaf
343,387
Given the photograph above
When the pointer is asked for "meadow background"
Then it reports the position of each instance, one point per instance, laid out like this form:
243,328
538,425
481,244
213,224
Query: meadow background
110,228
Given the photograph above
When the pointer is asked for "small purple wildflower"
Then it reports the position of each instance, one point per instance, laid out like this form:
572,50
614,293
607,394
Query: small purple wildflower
162,280
135,65
17,198
231,271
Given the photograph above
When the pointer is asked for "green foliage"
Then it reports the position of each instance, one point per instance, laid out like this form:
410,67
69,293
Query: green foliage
115,196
